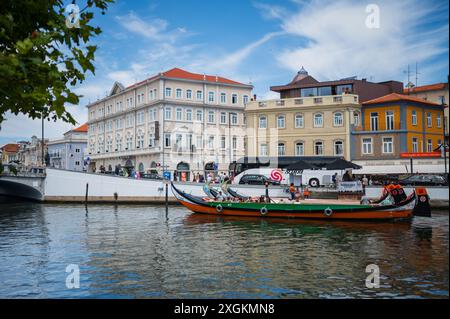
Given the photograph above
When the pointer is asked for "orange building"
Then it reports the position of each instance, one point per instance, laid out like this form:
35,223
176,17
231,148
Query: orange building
394,124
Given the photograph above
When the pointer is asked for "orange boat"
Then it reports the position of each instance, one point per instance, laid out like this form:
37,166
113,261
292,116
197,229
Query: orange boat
417,203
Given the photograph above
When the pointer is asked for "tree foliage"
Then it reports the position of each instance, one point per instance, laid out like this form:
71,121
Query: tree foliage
42,58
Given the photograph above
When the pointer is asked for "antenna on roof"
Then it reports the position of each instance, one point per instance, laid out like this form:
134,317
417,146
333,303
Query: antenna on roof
417,73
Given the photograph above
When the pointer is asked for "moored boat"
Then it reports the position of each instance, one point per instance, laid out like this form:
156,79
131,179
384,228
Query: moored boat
417,203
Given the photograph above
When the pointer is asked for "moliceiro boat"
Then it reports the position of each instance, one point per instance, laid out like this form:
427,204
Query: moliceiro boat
416,204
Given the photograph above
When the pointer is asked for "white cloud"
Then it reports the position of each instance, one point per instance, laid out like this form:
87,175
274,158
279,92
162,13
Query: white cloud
336,42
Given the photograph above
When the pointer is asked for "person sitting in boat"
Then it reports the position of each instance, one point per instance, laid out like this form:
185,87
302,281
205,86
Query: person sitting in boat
306,193
292,191
262,199
220,197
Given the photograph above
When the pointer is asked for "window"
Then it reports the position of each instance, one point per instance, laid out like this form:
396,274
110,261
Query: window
367,146
167,140
415,145
109,144
441,99
211,141
234,119
129,142
438,120
245,99
223,98
429,119
189,94
318,148
109,126
118,143
130,120
281,121
119,124
263,150
178,140
168,92
338,119
325,90
299,120
179,93
414,117
151,115
338,148
223,117
211,117
388,145
356,118
308,92
262,122
234,142
344,89
318,120
281,149
140,140
222,142
430,146
199,141
389,120
179,114
152,94
299,149
210,96
234,99
140,117
374,121
199,95
168,113
189,115
199,115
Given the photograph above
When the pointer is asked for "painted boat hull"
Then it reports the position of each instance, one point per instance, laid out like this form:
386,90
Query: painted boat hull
368,214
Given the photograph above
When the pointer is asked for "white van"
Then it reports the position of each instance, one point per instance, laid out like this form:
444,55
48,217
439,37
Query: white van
312,178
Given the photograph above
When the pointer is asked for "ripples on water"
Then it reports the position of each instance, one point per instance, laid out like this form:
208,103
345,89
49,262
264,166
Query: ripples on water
136,252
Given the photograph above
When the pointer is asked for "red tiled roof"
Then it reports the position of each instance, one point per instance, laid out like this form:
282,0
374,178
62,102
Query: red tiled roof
10,148
393,97
425,88
82,128
177,73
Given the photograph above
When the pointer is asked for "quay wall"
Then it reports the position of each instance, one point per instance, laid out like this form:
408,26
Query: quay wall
68,186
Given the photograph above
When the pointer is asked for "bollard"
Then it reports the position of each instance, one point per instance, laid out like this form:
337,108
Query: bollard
167,198
87,192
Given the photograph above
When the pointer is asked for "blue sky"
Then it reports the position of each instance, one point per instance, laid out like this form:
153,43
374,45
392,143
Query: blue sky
262,42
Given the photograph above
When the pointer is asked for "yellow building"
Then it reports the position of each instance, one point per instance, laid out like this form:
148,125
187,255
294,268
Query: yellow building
398,124
304,126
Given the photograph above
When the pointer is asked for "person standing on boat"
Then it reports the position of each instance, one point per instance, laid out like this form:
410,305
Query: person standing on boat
306,193
365,183
292,191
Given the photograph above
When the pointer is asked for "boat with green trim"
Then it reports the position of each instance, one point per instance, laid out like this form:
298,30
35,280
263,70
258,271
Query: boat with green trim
417,203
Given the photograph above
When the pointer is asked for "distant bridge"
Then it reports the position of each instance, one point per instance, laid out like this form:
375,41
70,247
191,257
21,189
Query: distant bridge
23,185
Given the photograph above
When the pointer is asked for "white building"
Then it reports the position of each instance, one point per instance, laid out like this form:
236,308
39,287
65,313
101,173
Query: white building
178,120
68,153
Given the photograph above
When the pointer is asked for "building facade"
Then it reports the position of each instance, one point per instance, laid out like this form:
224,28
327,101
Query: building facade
176,120
9,153
69,152
304,85
397,124
437,93
311,118
302,126
33,153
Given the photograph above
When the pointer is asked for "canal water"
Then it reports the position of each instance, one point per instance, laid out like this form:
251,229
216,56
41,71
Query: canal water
139,252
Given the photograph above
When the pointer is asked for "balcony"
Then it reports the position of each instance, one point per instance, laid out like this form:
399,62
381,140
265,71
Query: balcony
344,99
134,152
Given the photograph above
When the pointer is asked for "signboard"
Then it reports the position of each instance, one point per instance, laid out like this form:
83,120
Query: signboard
354,186
420,154
166,175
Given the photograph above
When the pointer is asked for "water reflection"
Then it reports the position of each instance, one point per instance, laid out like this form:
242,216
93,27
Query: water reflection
139,251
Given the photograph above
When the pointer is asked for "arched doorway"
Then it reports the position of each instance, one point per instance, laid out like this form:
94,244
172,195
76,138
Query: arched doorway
141,168
128,167
183,171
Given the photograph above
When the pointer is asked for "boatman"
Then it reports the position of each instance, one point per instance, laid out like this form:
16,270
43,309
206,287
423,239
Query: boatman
306,193
292,191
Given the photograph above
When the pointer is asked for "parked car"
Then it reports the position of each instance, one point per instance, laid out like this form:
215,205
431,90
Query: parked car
254,179
151,176
424,180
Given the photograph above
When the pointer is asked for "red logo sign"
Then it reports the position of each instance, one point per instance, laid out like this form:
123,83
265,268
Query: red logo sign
424,154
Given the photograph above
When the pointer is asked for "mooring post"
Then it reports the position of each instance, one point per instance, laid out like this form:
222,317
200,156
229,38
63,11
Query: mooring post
87,193
167,198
